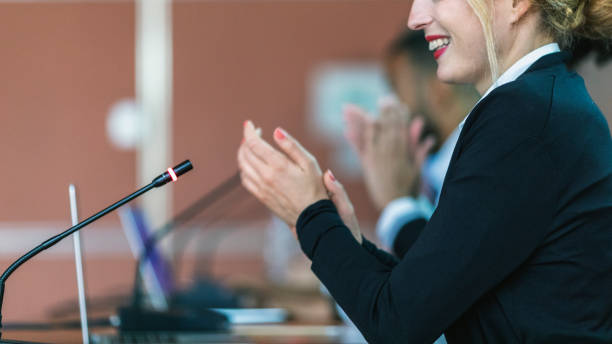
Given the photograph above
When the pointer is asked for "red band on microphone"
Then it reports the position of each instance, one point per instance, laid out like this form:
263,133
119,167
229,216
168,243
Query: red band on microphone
172,174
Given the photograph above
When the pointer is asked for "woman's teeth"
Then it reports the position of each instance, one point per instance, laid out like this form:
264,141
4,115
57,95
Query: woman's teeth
438,43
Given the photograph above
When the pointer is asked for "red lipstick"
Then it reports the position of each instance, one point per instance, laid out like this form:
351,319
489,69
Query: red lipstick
439,52
434,37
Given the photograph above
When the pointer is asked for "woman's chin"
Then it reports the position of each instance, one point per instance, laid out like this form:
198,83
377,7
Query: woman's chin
450,76
446,75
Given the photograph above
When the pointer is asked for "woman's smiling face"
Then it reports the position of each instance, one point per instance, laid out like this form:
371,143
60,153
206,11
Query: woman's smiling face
456,39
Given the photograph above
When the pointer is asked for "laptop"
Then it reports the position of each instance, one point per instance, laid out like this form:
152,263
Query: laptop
158,278
155,271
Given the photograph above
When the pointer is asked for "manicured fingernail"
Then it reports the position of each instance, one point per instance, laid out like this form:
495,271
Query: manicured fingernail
241,142
245,123
279,133
331,176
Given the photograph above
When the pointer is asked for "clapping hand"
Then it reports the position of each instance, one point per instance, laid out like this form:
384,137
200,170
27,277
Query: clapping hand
289,180
390,149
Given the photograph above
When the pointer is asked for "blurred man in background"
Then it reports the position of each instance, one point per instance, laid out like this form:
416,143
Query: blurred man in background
406,150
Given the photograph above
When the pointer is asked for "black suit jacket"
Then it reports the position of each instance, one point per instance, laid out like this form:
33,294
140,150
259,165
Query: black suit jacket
519,249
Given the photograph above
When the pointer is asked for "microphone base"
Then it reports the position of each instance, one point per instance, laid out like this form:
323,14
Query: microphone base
175,320
206,293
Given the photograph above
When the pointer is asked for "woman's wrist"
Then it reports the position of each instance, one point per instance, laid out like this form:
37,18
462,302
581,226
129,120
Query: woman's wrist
323,204
313,222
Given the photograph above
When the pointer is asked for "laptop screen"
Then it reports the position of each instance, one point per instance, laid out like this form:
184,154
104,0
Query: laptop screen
156,271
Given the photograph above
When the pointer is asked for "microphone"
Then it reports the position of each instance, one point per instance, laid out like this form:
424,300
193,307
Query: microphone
171,174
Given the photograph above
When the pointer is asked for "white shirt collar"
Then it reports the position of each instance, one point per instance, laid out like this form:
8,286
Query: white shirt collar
518,68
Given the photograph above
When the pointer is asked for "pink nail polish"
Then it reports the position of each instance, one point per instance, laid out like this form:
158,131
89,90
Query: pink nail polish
279,133
331,176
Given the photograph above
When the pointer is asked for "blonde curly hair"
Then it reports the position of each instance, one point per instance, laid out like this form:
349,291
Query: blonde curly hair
565,21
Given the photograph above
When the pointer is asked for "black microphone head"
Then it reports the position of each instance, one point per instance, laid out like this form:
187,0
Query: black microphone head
182,168
172,174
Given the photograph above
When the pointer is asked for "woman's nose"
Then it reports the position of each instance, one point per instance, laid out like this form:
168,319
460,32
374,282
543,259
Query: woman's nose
420,15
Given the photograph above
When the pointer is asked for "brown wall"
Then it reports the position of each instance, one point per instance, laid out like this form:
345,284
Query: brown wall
250,60
62,66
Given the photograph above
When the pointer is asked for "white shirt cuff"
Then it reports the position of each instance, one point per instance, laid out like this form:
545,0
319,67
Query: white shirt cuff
399,212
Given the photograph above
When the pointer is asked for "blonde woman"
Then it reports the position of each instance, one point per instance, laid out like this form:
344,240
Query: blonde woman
519,249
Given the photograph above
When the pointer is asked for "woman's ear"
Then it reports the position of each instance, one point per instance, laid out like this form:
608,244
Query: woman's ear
519,9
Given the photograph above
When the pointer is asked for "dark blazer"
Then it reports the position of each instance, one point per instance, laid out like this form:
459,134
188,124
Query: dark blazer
519,249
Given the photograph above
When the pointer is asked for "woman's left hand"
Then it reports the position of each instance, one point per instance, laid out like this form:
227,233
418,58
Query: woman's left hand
286,183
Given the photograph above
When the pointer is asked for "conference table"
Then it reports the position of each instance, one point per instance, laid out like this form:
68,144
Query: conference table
255,334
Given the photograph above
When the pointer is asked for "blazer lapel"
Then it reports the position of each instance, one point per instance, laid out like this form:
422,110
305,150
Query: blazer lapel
553,60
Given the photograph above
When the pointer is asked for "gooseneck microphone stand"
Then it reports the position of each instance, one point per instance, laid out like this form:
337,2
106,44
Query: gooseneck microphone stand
170,175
